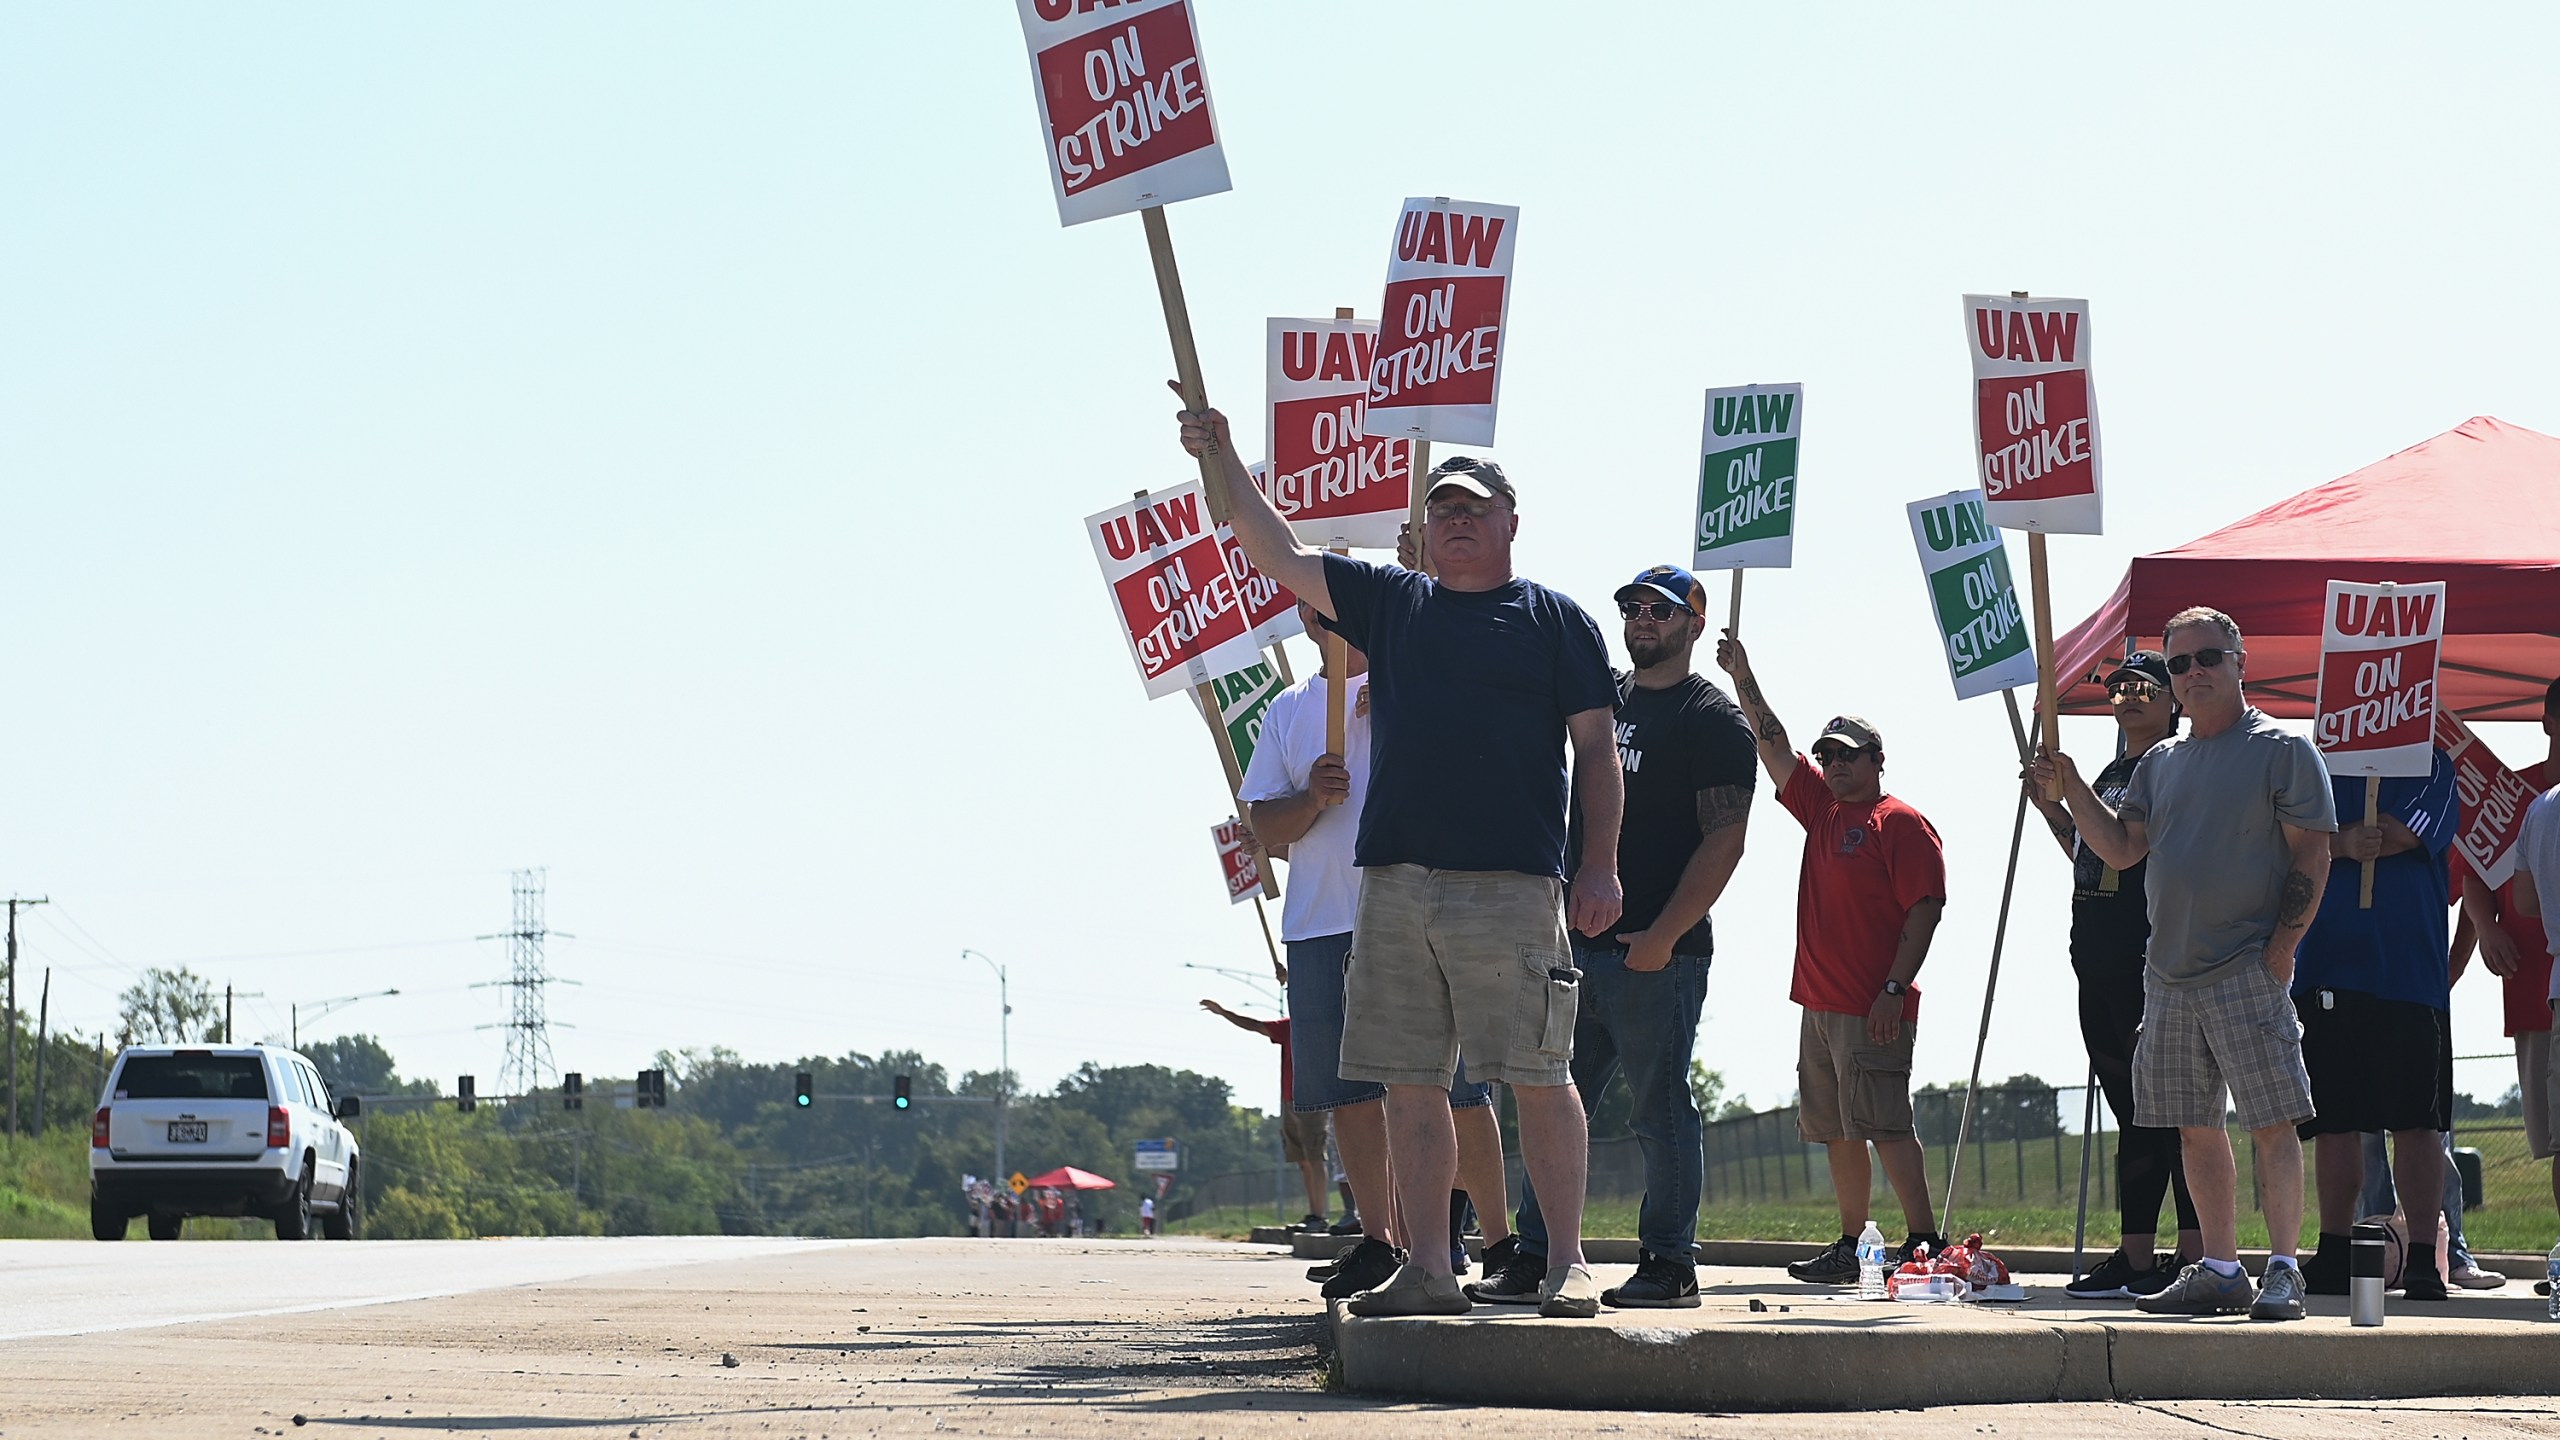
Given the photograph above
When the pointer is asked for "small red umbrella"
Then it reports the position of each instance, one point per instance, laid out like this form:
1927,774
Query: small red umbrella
1068,1177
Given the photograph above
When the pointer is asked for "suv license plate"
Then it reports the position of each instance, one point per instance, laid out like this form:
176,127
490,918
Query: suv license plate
186,1132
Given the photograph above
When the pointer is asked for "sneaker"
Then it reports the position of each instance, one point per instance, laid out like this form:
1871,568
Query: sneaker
1411,1292
1512,1276
1836,1264
2162,1274
1367,1267
2116,1279
2200,1290
2472,1277
2541,1287
1458,1259
1312,1225
1661,1282
1900,1255
2418,1277
1570,1294
2279,1293
1347,1225
2326,1272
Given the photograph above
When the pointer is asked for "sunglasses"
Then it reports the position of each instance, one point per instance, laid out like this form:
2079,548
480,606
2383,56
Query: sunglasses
1452,509
1828,756
1652,609
2210,658
2133,690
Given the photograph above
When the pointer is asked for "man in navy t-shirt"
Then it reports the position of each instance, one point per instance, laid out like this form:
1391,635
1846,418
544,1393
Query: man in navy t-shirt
1477,680
2373,989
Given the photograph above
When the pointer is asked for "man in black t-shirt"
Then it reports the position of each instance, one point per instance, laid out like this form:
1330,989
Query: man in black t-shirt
2110,925
1688,759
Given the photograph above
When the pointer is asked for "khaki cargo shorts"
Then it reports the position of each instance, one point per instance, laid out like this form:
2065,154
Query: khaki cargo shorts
1302,1135
1444,959
1848,1088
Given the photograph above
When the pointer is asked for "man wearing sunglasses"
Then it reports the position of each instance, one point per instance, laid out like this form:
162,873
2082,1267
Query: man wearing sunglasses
1687,757
2110,925
2235,818
1869,893
1477,681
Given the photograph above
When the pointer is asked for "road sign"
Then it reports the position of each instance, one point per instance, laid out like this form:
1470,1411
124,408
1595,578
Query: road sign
1018,1183
1157,1155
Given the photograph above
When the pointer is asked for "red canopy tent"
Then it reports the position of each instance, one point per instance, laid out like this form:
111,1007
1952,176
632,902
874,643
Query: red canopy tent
2477,507
1068,1177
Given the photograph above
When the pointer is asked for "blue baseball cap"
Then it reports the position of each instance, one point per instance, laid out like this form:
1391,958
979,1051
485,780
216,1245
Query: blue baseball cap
1671,583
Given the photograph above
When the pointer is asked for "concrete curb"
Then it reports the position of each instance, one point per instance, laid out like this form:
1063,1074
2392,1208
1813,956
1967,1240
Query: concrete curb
1820,1351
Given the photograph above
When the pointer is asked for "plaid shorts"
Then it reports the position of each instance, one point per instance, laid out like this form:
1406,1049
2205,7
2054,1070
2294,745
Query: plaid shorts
2238,1030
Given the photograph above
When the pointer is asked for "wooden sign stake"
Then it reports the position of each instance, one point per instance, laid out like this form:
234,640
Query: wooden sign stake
1186,354
1337,688
1733,612
2372,816
2048,698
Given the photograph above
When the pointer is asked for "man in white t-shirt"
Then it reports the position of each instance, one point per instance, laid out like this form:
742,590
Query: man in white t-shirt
1308,800
2537,893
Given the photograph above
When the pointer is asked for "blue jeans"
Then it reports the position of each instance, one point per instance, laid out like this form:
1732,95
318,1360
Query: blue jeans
1644,1025
2382,1194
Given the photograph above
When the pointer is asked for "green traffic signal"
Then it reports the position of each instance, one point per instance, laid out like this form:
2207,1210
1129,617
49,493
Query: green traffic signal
904,1099
800,1095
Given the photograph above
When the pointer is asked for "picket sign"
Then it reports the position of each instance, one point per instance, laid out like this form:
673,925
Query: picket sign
1124,106
2492,801
2035,430
1238,862
1747,483
1438,372
1243,700
1190,605
2376,713
1334,482
1971,594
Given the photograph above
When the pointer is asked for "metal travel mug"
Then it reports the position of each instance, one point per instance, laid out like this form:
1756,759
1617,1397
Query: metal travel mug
2364,1274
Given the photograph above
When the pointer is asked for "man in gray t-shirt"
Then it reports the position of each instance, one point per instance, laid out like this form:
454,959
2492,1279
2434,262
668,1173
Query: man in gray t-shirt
2234,818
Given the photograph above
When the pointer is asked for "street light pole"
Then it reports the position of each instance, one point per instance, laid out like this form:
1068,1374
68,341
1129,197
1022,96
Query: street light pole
323,1007
1004,1055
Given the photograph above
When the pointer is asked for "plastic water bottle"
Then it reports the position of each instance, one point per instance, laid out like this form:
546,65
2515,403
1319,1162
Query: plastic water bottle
2551,1271
1871,1263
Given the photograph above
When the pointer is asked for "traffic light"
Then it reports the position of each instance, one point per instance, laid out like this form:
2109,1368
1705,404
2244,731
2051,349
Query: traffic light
652,1090
800,1095
905,1098
573,1091
465,1095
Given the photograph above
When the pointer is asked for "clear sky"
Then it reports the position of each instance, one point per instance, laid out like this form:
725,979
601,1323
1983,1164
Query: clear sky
650,442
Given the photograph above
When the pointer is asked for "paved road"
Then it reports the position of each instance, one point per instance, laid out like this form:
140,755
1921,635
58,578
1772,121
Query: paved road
1127,1340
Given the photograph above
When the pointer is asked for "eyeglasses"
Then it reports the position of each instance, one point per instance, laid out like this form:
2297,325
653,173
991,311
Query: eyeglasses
2211,658
2133,690
1452,509
1826,757
1652,609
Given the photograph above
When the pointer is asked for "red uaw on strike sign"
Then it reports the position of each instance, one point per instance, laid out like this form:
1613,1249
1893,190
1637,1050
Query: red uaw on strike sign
1123,105
2035,415
1438,374
1187,603
2491,800
1237,860
2378,650
1269,606
1334,482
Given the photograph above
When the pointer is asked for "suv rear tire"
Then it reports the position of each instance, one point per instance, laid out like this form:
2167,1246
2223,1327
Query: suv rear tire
347,1221
165,1227
293,1222
106,1224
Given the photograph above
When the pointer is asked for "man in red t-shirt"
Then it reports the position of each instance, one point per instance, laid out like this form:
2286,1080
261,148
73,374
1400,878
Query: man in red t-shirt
2516,950
1868,898
1301,1131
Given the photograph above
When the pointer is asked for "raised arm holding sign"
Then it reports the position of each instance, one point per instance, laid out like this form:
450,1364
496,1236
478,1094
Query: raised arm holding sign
2376,716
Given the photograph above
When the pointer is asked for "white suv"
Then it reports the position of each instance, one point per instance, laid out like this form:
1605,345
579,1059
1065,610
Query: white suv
221,1130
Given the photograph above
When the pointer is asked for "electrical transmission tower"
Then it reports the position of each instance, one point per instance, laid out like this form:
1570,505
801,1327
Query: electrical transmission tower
528,1066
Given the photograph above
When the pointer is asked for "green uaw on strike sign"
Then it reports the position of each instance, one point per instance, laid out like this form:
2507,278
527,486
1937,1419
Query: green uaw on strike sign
1747,478
1979,625
1244,697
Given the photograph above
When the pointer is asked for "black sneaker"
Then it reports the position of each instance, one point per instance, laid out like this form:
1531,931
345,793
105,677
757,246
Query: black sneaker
1661,1282
1836,1264
1347,1225
1365,1268
2325,1273
1512,1276
2162,1274
1312,1225
1900,1255
2114,1279
2419,1278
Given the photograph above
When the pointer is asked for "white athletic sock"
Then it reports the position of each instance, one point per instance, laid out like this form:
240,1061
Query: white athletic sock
2225,1268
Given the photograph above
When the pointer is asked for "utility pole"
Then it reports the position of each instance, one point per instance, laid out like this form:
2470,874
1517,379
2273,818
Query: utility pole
528,1025
230,1036
1004,1056
9,1017
44,1019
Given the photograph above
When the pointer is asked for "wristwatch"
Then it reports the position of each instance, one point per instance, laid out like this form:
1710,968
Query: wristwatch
1895,987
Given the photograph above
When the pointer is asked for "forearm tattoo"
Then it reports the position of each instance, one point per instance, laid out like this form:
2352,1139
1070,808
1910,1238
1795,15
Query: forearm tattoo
1721,807
2295,909
1764,719
2061,825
